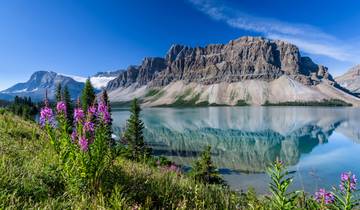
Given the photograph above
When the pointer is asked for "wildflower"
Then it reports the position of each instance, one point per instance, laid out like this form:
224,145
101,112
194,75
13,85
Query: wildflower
104,112
348,179
92,111
47,117
89,126
78,115
83,142
73,135
61,107
322,196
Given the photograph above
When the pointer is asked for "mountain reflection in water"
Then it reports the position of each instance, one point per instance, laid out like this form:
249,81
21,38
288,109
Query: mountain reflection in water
248,139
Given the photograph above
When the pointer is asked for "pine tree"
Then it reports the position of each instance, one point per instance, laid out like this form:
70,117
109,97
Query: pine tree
88,95
58,92
67,99
133,135
204,171
105,99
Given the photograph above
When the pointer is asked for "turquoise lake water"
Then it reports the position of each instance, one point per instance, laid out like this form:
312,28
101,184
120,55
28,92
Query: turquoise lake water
318,143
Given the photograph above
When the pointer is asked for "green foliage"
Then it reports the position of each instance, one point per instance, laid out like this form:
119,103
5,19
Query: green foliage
280,181
88,95
241,103
325,102
58,93
345,196
32,178
4,103
23,107
152,92
204,170
133,135
69,105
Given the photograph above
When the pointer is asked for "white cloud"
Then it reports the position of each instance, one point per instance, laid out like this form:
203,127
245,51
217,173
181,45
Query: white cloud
309,39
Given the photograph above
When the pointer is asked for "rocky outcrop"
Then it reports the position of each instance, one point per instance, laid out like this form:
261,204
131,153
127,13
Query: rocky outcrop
241,59
251,69
351,80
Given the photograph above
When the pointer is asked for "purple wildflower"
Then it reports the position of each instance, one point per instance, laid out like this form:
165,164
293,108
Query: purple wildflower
322,196
348,179
104,112
89,126
173,167
92,111
61,107
83,142
78,115
73,135
47,117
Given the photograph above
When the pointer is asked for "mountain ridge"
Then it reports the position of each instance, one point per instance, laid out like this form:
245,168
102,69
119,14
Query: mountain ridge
251,69
42,81
351,79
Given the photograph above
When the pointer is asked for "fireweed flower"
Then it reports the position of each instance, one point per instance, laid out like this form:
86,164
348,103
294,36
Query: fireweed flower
89,126
348,179
83,143
103,111
61,107
47,117
79,115
322,196
92,111
73,135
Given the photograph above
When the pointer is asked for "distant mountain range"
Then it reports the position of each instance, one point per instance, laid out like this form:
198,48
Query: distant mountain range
42,81
351,80
248,70
251,70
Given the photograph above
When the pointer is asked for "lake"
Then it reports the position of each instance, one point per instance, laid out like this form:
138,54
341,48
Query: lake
318,143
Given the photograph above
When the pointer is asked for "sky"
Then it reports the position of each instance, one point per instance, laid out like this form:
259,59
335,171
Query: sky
83,37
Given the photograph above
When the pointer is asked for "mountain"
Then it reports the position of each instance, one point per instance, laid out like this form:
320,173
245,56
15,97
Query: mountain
100,79
351,79
253,70
41,81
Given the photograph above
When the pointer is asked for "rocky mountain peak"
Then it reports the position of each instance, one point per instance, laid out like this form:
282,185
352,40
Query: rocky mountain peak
244,58
351,79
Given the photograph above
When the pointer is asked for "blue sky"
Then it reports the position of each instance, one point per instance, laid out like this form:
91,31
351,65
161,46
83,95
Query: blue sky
84,37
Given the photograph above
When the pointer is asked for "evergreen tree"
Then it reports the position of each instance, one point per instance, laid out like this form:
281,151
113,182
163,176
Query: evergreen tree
58,95
67,99
105,99
133,134
88,95
204,171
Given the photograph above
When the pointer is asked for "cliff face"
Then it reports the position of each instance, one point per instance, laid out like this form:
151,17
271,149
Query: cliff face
242,59
251,69
351,79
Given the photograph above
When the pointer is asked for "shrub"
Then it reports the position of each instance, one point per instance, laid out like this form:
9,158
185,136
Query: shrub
204,170
280,182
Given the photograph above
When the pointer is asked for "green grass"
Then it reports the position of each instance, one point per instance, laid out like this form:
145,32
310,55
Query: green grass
30,178
330,103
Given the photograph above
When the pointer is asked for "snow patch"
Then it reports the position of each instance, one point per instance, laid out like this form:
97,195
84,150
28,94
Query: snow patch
100,82
20,91
76,78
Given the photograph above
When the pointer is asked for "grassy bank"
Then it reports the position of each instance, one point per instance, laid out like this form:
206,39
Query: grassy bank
30,179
